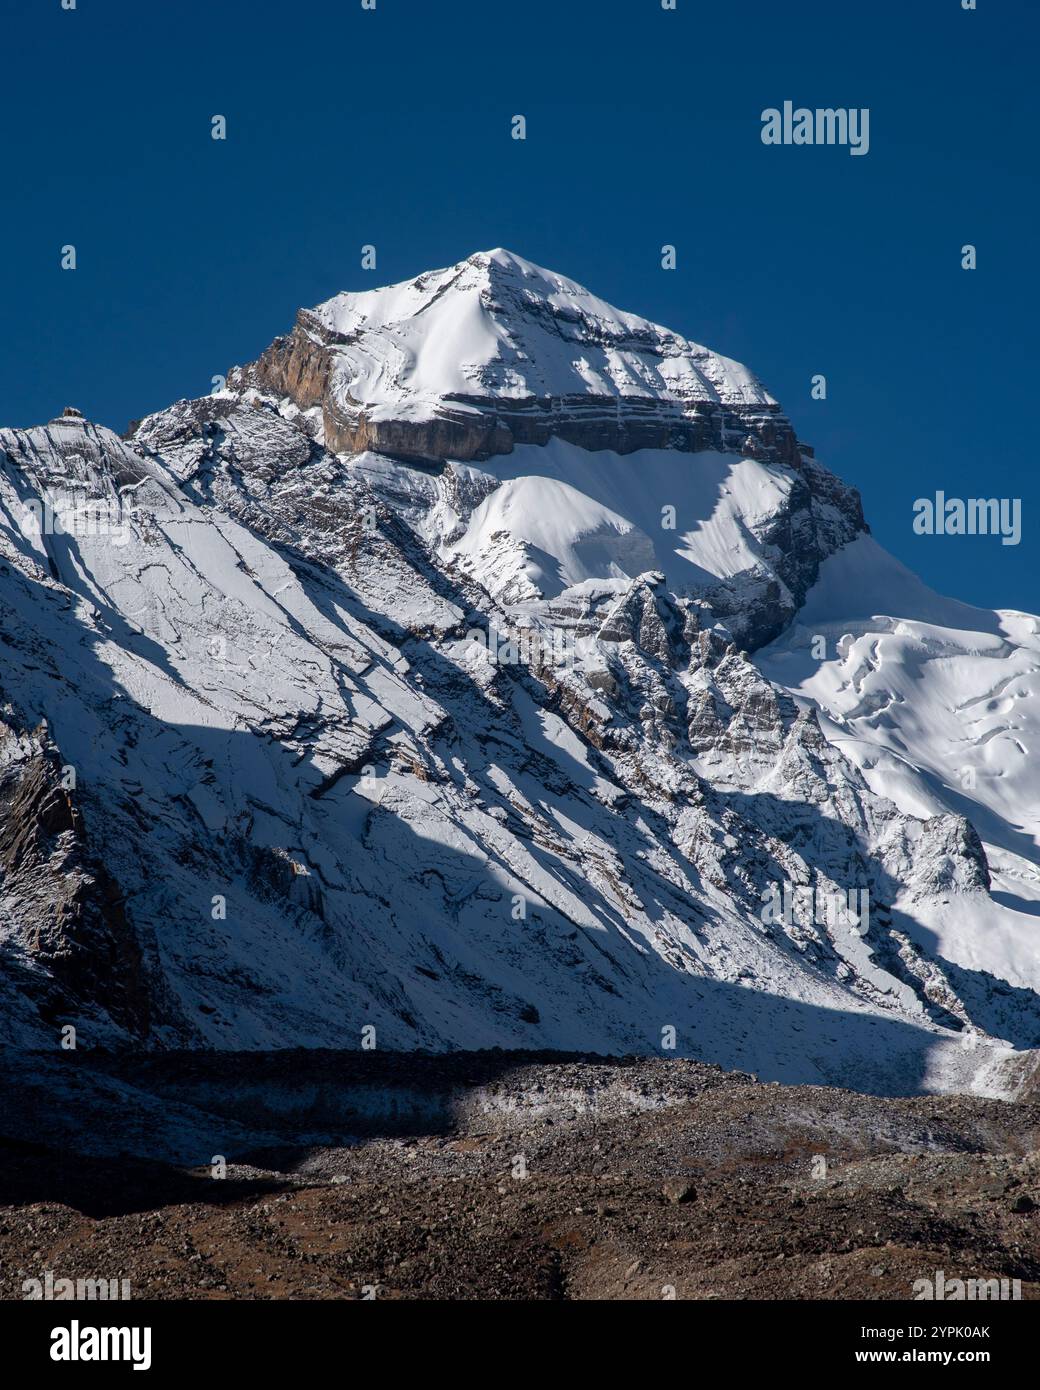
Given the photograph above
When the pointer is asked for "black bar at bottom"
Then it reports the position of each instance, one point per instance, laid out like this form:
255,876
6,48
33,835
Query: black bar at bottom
273,1337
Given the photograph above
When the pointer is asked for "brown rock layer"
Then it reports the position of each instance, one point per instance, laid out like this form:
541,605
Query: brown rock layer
300,366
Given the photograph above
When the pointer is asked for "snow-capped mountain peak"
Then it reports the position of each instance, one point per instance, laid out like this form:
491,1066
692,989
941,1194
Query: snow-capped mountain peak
541,386
496,325
495,351
408,683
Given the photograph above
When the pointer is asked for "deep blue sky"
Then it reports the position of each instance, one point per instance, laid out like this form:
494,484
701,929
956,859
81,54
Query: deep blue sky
347,127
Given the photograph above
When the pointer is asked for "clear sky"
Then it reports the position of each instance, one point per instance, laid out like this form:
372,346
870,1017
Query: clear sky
392,127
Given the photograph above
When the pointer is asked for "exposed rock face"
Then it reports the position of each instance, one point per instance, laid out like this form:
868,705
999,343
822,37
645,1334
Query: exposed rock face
303,366
63,909
366,744
667,393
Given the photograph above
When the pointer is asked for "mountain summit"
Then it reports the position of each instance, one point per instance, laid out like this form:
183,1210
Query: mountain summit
496,326
489,667
495,351
475,362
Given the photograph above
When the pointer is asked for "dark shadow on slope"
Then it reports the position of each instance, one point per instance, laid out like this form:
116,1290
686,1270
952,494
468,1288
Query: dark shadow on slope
65,548
991,826
112,1159
115,1186
1001,1009
1029,906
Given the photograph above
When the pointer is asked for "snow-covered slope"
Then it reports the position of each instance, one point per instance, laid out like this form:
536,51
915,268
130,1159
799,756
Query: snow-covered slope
300,738
498,325
938,704
572,504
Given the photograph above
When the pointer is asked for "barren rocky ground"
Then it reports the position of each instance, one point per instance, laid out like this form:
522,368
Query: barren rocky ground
496,1176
